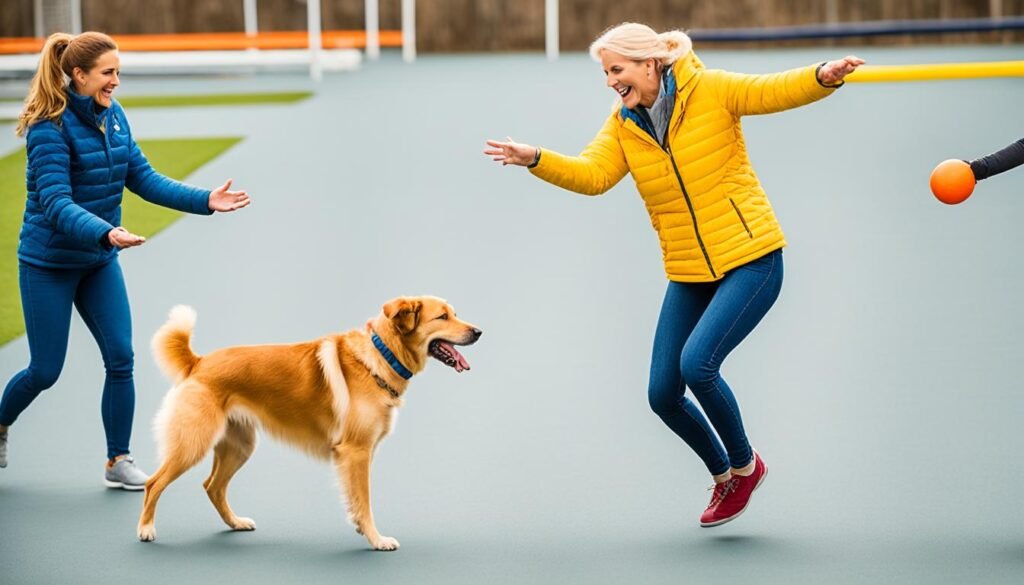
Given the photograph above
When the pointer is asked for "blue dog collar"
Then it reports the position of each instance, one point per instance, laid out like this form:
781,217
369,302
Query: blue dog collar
390,357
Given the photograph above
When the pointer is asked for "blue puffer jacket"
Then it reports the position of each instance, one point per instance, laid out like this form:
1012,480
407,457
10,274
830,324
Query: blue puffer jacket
76,174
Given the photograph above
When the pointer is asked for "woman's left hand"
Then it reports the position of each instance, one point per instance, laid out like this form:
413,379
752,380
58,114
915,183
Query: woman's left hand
833,72
221,199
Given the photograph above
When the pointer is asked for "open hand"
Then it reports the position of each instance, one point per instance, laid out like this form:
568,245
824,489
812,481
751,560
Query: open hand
121,238
221,199
833,72
511,152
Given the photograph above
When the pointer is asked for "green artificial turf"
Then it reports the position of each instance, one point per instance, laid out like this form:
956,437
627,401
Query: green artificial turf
226,99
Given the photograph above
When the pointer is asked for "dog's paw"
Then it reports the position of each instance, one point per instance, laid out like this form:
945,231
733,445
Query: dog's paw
385,543
147,533
245,524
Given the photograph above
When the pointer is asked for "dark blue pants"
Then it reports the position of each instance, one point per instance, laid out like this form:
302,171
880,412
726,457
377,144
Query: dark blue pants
700,324
100,296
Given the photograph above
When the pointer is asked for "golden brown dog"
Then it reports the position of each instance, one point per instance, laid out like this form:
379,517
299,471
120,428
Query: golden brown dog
332,397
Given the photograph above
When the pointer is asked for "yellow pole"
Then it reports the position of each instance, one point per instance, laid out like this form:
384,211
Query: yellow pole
884,73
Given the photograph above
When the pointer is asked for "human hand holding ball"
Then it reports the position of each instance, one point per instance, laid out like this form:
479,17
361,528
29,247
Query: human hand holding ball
952,181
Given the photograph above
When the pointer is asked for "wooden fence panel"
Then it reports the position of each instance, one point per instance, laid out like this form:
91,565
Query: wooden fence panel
17,19
503,25
162,16
473,25
334,14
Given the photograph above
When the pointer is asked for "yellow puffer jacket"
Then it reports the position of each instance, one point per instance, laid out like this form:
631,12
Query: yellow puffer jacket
704,199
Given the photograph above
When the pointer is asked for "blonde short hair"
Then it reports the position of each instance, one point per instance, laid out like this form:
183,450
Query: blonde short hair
639,42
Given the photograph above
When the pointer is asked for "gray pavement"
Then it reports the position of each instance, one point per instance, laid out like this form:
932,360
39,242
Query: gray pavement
882,390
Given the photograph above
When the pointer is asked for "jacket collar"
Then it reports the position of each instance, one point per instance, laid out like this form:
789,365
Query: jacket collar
687,71
83,107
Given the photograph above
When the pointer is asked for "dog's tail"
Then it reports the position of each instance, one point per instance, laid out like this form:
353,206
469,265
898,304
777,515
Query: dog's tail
172,343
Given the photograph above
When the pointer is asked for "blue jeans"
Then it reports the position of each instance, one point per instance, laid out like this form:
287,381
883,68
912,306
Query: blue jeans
700,323
100,296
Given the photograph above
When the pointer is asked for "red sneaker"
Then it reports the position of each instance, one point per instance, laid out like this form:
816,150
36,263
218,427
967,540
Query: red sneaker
731,497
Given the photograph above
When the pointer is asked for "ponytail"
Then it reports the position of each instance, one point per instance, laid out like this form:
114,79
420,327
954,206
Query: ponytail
676,44
46,97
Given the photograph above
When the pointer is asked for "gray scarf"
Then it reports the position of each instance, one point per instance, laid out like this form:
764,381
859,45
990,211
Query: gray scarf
661,111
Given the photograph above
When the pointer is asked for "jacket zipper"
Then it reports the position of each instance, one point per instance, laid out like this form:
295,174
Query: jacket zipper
689,205
101,126
742,219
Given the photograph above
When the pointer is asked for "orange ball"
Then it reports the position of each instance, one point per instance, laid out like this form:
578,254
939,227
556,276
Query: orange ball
952,181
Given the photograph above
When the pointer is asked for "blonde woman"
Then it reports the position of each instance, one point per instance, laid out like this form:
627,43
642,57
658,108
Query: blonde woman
677,131
81,155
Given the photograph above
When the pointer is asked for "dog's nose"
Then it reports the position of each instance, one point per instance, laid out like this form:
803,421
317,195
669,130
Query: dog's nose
476,334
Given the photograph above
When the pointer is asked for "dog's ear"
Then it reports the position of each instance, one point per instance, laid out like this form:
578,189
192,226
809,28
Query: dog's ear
404,313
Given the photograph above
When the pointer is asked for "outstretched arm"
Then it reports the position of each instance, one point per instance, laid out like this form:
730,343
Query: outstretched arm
998,162
745,94
597,169
145,181
154,187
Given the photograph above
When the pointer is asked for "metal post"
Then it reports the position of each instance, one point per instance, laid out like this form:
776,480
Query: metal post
995,12
251,22
409,30
372,29
37,13
832,12
76,16
316,71
551,28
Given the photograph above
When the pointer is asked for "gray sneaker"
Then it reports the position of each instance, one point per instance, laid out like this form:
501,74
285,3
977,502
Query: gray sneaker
3,449
124,475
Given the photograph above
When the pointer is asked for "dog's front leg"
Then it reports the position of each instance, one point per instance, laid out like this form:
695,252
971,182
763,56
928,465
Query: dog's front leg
352,461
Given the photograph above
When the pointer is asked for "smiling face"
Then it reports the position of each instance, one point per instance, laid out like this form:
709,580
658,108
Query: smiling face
101,80
428,326
636,82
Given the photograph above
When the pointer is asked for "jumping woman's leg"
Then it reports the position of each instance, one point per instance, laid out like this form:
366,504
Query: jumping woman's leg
742,299
680,312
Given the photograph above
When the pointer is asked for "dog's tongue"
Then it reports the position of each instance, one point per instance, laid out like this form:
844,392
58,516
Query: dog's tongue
460,361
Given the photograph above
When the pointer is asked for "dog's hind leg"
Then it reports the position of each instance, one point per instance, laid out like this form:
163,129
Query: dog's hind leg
230,454
191,423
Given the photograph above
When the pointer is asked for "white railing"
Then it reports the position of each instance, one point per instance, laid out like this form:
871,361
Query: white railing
71,10
551,29
409,30
51,15
316,71
251,22
372,30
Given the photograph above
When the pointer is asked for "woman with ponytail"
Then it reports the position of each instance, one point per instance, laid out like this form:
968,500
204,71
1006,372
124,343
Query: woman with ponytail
81,156
676,129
